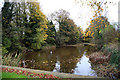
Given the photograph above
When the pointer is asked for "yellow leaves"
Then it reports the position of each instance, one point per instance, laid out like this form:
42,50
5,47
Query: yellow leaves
91,22
88,33
100,31
92,34
105,25
3,18
101,9
45,36
97,18
84,38
98,11
96,14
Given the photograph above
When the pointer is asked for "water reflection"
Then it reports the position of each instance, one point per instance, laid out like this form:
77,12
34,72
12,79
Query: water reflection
57,67
84,67
65,59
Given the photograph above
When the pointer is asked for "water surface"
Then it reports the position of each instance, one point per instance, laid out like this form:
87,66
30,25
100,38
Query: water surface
68,59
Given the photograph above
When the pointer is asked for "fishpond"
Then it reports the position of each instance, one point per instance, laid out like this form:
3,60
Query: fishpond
68,59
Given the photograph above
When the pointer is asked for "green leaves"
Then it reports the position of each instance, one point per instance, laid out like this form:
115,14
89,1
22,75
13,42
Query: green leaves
25,26
51,32
38,26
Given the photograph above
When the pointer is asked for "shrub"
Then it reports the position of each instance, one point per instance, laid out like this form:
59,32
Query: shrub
115,58
11,61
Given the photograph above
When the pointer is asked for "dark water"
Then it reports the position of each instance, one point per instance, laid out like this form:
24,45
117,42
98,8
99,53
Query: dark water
72,60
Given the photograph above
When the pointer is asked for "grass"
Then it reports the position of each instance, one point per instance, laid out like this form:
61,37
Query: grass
12,75
15,73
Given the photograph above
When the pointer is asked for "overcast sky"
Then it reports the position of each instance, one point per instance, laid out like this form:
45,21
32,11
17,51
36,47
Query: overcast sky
79,12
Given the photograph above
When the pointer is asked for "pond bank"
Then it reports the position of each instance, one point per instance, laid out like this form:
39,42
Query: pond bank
101,64
82,44
61,75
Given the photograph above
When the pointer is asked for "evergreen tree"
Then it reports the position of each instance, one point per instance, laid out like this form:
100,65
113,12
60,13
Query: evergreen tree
17,27
36,33
24,26
51,32
6,26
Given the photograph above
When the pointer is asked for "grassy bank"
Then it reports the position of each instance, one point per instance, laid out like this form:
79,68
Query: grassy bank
12,75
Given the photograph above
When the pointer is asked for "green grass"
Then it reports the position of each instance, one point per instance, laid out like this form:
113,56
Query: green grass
12,75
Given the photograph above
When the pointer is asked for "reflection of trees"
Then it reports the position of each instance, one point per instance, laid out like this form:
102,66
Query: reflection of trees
67,56
90,49
42,61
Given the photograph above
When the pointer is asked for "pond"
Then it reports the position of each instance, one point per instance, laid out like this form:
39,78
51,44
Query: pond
69,59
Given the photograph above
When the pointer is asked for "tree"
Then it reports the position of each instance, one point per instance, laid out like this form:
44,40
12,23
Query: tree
109,34
24,26
68,32
51,32
96,26
12,22
6,26
60,16
81,34
36,32
88,35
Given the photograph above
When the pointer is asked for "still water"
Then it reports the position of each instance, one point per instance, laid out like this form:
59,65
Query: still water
68,59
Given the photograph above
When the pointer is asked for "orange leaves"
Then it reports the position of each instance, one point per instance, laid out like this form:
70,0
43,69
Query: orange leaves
98,11
95,27
94,16
105,25
88,33
91,22
101,9
92,34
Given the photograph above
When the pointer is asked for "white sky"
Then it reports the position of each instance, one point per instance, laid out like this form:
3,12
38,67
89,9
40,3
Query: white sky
80,14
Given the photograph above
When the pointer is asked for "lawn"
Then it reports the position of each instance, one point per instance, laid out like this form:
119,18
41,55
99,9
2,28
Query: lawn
15,73
12,75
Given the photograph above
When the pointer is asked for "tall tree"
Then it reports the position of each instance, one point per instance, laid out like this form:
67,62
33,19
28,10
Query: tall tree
51,32
6,26
68,32
96,27
24,26
36,32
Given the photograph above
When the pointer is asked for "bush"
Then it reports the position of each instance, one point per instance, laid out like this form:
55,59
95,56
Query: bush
109,34
115,58
11,61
